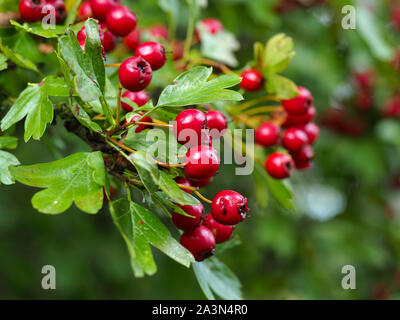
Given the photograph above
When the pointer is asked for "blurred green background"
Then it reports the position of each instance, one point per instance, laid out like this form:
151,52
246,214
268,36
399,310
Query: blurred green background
347,205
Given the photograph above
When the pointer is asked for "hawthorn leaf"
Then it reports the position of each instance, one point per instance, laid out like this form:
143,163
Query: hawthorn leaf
77,178
6,161
34,104
72,12
3,62
7,142
140,227
17,58
260,186
147,169
81,115
215,277
278,53
192,87
57,87
38,29
282,87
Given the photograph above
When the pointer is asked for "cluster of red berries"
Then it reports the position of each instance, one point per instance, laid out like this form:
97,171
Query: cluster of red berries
36,10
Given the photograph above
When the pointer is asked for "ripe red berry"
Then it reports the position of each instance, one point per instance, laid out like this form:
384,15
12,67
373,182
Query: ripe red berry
312,131
216,123
31,10
159,31
221,232
140,127
201,183
391,107
252,80
187,223
300,104
121,21
153,53
135,74
200,242
267,134
185,182
188,128
177,50
109,39
294,139
211,25
81,36
140,98
229,207
100,8
293,120
85,11
59,8
201,162
279,165
303,157
132,40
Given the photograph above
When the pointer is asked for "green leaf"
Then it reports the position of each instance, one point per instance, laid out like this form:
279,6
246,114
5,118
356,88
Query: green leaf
147,169
72,13
278,53
38,29
6,161
139,227
36,106
215,277
282,87
77,178
57,87
3,62
18,59
260,186
7,142
172,190
192,87
83,118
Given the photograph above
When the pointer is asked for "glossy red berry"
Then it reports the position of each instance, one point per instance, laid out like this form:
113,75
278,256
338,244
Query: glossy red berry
101,8
121,21
279,165
201,183
153,53
159,31
229,207
109,39
217,123
185,182
312,132
135,74
267,134
31,10
200,242
293,120
300,104
221,232
81,36
201,162
252,80
59,8
303,158
132,40
294,139
140,98
85,11
187,223
140,127
188,128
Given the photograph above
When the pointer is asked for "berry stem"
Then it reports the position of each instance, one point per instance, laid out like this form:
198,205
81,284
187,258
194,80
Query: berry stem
212,63
253,102
262,110
152,124
113,65
202,197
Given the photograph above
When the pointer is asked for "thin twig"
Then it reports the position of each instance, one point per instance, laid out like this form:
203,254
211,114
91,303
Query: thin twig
201,196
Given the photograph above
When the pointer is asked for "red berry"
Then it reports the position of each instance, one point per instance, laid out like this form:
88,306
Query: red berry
221,232
31,10
200,242
217,123
395,16
391,107
312,132
187,223
293,120
201,183
153,53
279,165
109,39
85,11
159,31
101,8
185,182
267,134
121,21
211,25
140,98
294,139
303,157
229,207
58,6
135,74
201,162
252,80
81,36
188,128
300,104
177,50
140,127
132,40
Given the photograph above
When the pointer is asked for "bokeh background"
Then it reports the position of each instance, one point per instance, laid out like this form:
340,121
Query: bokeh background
347,205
